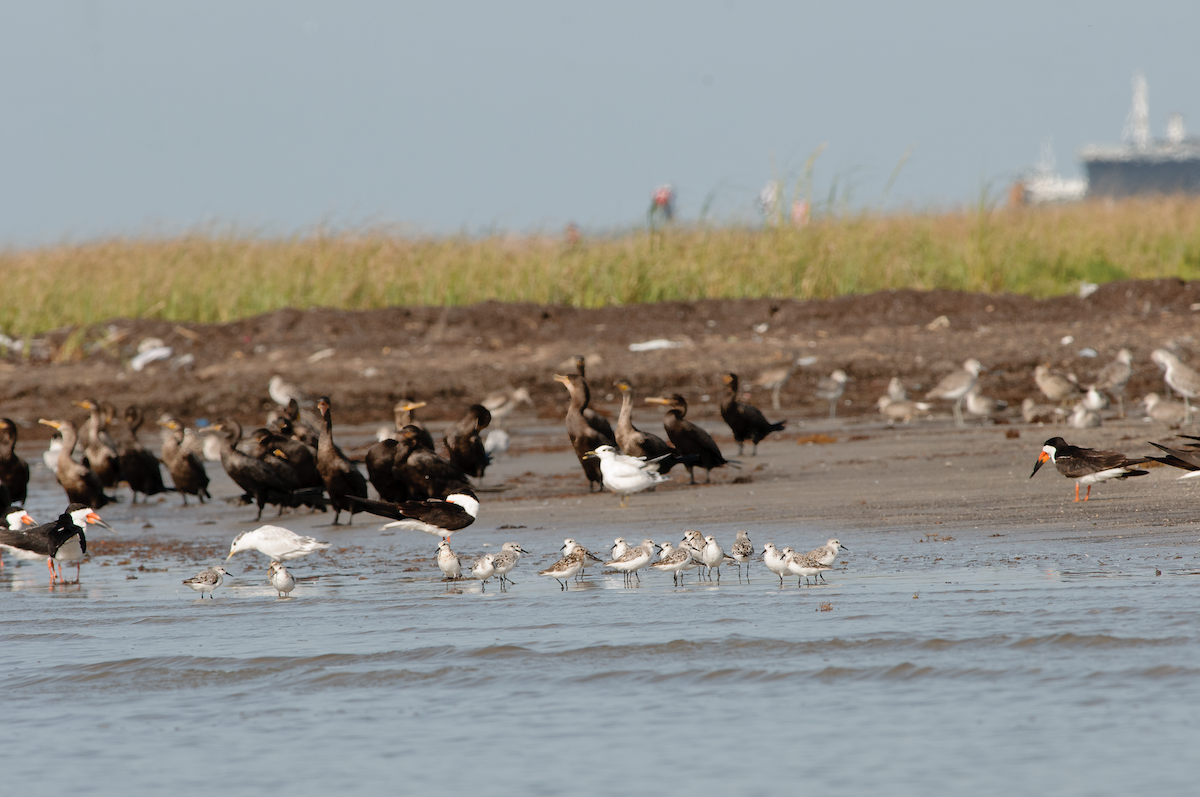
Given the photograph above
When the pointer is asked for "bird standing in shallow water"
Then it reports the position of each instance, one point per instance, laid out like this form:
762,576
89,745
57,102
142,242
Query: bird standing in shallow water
341,476
281,579
206,580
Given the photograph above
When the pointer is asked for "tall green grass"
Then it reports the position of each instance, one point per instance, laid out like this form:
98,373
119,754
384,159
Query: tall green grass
200,277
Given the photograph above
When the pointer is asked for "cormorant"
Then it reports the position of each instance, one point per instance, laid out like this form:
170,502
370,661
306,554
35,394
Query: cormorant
636,443
186,467
584,438
99,452
688,438
341,476
594,419
263,482
14,471
745,420
81,483
138,466
463,445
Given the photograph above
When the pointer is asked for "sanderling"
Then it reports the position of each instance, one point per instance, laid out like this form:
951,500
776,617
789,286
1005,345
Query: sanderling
589,558
742,551
827,553
673,560
773,559
484,568
712,556
802,566
564,568
634,560
207,580
448,562
506,560
619,548
281,579
278,543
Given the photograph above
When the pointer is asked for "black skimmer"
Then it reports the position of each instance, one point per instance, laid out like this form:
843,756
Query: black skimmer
831,389
464,446
342,478
689,439
62,540
186,467
745,420
14,471
1183,458
81,484
584,437
955,386
432,516
1087,465
1182,379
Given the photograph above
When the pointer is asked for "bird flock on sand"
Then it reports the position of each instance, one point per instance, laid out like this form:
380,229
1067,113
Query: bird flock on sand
293,461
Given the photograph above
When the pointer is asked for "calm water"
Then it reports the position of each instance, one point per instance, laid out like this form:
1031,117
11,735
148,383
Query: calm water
948,667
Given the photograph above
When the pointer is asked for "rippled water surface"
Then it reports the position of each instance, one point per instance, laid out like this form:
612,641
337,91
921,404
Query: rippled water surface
947,666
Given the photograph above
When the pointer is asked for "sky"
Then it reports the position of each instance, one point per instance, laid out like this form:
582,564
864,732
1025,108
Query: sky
154,118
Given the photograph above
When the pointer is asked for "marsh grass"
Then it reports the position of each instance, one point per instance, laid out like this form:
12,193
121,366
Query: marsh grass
204,277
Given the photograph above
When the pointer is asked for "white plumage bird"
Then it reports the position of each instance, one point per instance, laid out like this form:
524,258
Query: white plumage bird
276,542
626,475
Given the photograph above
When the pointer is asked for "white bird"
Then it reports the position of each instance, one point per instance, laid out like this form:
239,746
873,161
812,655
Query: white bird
901,409
501,405
1182,379
1033,412
773,559
1113,377
484,568
1094,400
496,443
281,579
619,548
625,475
275,542
1159,409
955,386
564,568
448,562
634,559
1083,418
896,391
802,565
983,406
207,580
831,389
50,455
712,556
673,560
506,560
283,392
742,551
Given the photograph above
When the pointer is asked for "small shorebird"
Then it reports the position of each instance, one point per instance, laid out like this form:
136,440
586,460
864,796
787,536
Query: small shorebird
634,560
742,551
589,558
281,579
802,565
982,406
564,568
483,568
207,580
773,559
827,553
712,556
448,562
1180,378
1055,386
506,560
1087,465
831,389
955,386
276,542
672,560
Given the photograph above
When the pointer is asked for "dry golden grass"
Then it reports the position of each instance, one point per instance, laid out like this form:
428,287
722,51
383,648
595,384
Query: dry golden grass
1035,251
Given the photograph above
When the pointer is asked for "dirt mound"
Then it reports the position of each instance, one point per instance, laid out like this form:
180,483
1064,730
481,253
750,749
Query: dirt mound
454,356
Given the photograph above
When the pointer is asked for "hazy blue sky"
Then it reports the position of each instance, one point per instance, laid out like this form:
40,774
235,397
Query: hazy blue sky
152,117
